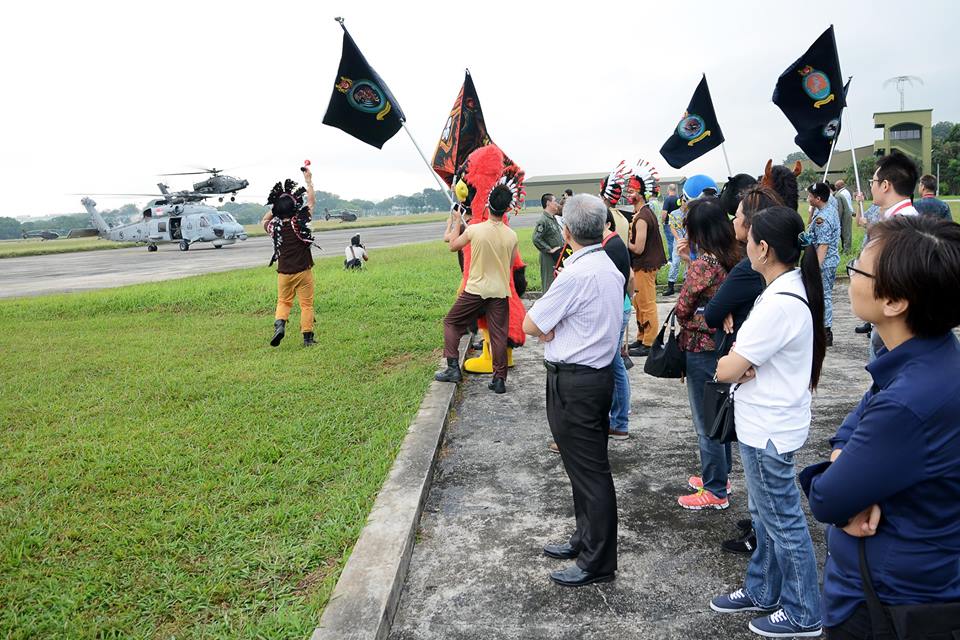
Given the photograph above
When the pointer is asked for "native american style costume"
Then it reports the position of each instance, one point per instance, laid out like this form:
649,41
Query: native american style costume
298,221
483,170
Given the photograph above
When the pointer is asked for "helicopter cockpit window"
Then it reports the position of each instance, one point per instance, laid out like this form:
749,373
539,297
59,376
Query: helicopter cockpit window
204,222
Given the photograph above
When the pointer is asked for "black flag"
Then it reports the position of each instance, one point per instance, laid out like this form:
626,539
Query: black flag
697,132
361,103
463,133
807,93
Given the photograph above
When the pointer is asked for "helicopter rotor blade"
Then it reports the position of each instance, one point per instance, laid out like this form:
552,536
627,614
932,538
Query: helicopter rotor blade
185,173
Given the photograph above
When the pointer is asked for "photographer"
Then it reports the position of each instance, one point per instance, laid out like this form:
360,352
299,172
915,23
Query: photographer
355,254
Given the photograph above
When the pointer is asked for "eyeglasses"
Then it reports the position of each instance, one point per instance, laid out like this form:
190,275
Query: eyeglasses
852,269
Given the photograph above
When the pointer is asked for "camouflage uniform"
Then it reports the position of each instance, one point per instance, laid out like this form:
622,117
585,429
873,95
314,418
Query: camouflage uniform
825,229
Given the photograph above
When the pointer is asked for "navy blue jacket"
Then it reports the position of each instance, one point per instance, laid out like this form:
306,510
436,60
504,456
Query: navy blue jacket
736,295
901,450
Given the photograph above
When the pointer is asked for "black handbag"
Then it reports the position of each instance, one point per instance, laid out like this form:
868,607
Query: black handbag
717,406
665,359
937,621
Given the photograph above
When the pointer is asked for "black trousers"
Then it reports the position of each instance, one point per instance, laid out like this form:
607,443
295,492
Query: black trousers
578,410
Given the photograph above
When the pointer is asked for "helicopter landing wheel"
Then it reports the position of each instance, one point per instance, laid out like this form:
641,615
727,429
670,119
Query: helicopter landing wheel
151,247
218,246
184,245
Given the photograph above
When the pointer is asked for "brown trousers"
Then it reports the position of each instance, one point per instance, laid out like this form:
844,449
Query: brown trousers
464,312
645,302
301,285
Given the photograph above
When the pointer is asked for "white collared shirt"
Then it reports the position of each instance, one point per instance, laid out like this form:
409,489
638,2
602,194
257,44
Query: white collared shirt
902,208
584,309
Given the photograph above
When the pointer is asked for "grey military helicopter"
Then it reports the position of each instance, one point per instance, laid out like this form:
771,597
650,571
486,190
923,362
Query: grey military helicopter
216,184
43,234
182,217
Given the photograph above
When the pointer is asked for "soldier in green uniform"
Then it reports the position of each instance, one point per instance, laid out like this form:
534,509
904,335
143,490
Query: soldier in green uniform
547,239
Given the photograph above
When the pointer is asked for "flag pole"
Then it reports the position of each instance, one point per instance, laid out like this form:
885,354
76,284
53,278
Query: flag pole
443,187
856,170
723,147
829,158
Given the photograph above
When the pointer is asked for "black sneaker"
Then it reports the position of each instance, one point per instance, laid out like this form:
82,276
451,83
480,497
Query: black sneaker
279,329
745,545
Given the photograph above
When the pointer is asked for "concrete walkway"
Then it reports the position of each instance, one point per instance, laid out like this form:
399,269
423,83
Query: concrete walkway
477,569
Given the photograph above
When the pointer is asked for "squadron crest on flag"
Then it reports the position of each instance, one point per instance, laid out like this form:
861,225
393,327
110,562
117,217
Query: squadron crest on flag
816,84
365,96
831,129
692,128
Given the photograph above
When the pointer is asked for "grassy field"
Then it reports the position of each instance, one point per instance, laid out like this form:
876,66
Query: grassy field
167,474
36,247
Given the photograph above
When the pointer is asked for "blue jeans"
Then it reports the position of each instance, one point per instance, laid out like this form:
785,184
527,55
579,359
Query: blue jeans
829,276
620,408
783,569
675,263
669,236
715,459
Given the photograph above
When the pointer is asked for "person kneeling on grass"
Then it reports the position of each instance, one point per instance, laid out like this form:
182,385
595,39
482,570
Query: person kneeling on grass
287,224
355,254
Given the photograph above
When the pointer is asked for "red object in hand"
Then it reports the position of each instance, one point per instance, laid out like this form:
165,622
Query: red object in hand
306,163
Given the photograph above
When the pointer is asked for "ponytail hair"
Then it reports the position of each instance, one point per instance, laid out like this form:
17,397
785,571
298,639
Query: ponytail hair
783,231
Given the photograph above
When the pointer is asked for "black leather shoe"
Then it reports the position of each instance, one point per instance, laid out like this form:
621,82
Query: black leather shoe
829,332
561,551
866,327
497,385
639,352
279,329
451,374
308,340
636,344
574,576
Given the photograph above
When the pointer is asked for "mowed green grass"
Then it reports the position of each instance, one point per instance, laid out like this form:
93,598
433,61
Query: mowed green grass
167,474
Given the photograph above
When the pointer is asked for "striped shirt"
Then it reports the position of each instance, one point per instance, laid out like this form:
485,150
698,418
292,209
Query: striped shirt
584,309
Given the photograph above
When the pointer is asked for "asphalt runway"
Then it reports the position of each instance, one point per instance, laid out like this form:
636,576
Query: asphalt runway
84,271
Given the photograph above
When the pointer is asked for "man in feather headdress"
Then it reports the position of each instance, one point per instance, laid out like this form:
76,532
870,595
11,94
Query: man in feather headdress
287,224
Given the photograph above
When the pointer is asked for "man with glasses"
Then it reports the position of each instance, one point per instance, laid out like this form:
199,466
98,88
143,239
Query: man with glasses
893,184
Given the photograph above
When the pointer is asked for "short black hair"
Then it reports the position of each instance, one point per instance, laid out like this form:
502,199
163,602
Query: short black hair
820,190
284,207
545,198
900,171
500,199
569,192
919,261
611,220
929,182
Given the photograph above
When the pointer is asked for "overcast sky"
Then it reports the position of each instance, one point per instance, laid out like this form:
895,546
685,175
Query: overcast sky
101,96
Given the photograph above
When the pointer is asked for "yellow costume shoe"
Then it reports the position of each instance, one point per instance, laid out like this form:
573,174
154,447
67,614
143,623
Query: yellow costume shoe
484,362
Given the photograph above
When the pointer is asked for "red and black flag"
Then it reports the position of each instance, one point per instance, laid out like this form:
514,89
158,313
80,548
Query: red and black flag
697,132
361,103
464,132
808,94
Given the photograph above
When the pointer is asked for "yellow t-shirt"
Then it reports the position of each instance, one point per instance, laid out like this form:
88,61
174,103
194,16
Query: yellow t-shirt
492,245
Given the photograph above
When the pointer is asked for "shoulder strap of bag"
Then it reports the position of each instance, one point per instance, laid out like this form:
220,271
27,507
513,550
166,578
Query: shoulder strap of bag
877,618
793,295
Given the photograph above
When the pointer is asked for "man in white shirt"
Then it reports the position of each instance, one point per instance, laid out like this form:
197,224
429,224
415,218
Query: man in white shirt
893,185
355,255
579,319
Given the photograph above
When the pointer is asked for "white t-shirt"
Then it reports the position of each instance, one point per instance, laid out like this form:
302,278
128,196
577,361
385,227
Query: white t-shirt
902,208
352,252
777,338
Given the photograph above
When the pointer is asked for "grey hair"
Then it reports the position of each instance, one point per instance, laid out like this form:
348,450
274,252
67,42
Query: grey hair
585,216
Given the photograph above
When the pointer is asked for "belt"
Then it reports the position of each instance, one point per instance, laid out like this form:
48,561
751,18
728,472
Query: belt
557,367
